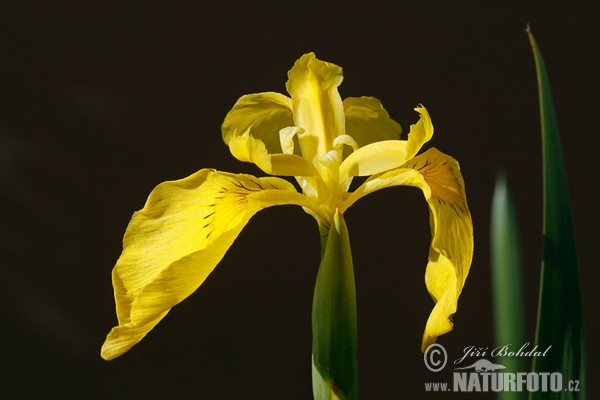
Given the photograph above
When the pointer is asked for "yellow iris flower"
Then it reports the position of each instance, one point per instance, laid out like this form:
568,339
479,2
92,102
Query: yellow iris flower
186,226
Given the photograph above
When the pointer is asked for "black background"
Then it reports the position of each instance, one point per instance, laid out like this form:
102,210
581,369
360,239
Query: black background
100,102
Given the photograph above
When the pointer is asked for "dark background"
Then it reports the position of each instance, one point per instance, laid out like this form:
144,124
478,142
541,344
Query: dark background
100,102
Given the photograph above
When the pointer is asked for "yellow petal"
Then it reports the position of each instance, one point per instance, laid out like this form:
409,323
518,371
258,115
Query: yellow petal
263,115
177,239
451,251
316,104
249,149
367,121
452,239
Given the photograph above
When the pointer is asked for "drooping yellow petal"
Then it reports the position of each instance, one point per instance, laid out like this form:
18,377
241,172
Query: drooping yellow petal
368,122
316,104
263,115
177,239
388,154
451,251
250,149
452,238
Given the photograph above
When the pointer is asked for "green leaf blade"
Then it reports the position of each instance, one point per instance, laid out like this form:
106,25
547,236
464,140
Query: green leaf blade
560,312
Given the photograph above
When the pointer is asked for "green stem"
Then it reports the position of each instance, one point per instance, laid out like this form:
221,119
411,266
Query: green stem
335,373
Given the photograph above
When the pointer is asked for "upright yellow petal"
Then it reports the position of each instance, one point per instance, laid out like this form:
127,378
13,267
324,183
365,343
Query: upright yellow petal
177,239
367,121
316,103
262,115
252,131
451,251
